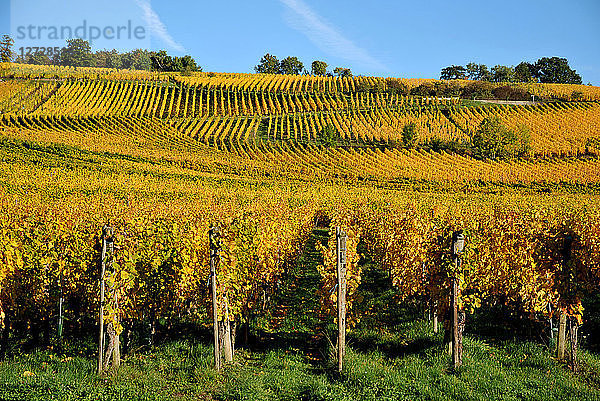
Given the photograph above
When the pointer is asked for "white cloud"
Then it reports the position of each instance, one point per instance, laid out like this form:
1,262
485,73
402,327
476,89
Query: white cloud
157,27
325,36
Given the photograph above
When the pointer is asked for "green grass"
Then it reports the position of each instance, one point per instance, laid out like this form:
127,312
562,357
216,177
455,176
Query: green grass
393,355
408,363
509,371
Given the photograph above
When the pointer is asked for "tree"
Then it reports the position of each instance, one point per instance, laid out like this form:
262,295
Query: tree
269,64
478,89
471,70
396,86
38,58
108,59
78,53
556,70
56,58
137,59
291,66
161,61
6,44
114,59
502,73
319,67
493,140
518,142
484,74
425,89
454,72
188,65
342,72
329,135
409,135
478,72
524,72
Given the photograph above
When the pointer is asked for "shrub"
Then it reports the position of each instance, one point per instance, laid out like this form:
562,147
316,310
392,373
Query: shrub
507,92
425,89
409,135
477,89
394,85
494,141
329,135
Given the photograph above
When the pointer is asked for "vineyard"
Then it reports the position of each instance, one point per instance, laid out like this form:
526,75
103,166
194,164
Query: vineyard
111,180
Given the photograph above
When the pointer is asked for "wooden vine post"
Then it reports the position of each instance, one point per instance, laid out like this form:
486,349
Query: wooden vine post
562,336
562,319
105,263
226,335
573,329
458,244
573,322
341,239
59,330
215,247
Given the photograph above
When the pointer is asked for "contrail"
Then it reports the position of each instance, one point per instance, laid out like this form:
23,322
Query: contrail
325,36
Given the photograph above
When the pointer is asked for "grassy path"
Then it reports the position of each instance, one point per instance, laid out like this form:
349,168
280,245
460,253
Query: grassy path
400,360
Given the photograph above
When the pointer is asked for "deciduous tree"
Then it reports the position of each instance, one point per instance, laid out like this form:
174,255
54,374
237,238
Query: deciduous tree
291,66
269,64
556,70
409,135
319,67
78,53
494,141
502,73
478,72
6,44
342,72
454,72
524,72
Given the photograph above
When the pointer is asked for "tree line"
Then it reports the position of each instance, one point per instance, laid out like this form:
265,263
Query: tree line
270,64
78,53
545,70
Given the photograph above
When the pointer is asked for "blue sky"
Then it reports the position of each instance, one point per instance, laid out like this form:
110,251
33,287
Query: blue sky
412,39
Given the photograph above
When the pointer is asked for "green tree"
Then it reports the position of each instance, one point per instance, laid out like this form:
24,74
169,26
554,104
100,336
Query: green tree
493,140
6,44
524,72
56,58
269,64
38,58
78,53
188,65
108,59
471,70
291,66
329,135
478,72
409,135
137,59
394,85
454,72
556,70
342,72
484,73
161,61
518,142
425,89
319,67
502,73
